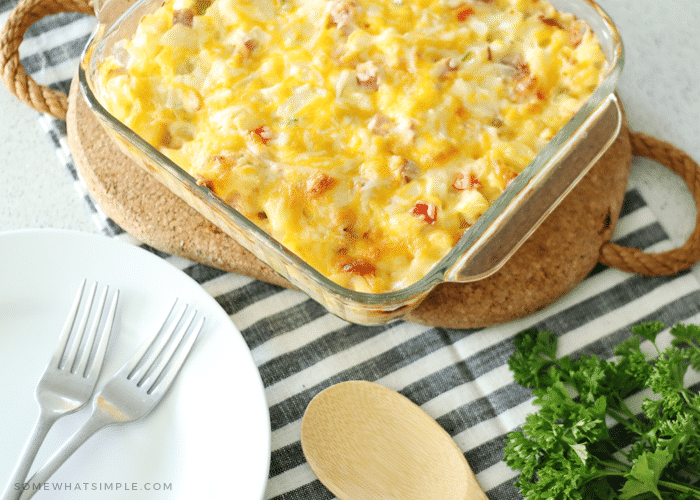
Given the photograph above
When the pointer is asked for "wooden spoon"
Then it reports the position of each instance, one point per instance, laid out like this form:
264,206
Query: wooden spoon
364,441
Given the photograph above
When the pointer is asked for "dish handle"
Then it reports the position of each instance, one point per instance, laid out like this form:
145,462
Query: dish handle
19,83
634,260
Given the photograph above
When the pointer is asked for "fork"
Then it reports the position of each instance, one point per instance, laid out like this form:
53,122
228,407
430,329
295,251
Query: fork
70,377
134,390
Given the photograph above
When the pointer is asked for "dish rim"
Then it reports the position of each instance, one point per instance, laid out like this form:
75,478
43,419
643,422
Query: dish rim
388,300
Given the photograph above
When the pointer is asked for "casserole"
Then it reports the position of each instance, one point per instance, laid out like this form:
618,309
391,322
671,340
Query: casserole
482,249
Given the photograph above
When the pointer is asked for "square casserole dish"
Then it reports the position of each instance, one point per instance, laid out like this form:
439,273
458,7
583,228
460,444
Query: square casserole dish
482,249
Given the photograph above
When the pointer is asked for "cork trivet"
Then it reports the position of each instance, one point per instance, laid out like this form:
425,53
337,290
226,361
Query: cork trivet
556,257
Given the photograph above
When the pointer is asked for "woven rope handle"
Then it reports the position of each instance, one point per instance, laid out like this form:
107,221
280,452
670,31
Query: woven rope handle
676,260
23,86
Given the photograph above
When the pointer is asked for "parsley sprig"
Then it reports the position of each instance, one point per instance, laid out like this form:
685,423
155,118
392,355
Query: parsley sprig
585,442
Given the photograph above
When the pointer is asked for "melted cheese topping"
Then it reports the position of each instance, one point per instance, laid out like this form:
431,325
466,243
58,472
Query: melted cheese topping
365,135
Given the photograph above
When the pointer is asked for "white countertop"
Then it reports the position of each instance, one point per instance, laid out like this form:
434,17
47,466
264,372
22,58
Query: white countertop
659,88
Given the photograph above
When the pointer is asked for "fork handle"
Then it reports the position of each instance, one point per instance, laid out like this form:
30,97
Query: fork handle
13,490
96,422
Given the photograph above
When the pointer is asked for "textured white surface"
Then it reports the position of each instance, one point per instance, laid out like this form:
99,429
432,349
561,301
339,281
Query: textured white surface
36,191
658,88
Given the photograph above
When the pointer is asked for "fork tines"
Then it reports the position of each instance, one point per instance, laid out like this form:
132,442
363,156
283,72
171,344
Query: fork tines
78,352
169,348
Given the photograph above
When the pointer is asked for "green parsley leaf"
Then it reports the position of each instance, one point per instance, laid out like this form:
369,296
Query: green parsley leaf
667,374
535,353
565,450
633,365
645,474
688,337
648,330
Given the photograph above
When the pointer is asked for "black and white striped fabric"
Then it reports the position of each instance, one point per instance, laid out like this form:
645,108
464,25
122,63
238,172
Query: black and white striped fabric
460,377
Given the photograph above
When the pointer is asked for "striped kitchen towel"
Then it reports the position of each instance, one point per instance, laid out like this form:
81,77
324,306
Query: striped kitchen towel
460,377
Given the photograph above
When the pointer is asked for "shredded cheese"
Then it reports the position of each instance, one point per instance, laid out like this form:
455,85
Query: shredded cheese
365,135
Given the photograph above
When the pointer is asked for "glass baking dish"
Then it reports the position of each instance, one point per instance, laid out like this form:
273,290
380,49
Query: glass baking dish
481,251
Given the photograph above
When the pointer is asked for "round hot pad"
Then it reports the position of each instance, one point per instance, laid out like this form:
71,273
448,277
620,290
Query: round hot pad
550,263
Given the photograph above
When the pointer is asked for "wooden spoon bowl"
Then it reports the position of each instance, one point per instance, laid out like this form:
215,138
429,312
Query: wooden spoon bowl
366,442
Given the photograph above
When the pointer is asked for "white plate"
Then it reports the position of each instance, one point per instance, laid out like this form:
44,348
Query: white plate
208,439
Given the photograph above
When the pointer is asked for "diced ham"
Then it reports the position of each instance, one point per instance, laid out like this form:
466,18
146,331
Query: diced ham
405,169
183,17
462,12
576,33
518,63
462,182
425,211
250,45
359,266
380,124
548,21
525,82
264,133
246,46
524,86
244,43
343,15
368,76
257,139
319,183
203,181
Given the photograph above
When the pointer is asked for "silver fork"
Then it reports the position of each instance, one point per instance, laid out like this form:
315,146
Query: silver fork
70,377
134,390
